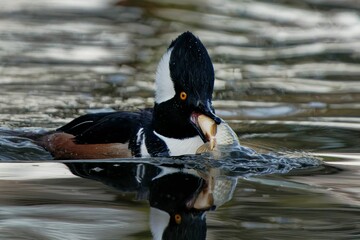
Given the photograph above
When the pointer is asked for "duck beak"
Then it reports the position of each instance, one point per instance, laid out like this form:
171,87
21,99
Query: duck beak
207,110
205,122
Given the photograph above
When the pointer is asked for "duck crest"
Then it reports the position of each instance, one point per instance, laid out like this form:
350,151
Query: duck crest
165,89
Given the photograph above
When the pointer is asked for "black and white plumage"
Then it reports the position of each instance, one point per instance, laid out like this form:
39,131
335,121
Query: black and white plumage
184,86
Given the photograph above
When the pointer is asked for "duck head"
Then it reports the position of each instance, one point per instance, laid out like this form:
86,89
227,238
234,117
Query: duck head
184,87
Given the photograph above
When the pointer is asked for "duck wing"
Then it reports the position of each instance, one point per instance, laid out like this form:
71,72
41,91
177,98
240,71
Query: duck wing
100,128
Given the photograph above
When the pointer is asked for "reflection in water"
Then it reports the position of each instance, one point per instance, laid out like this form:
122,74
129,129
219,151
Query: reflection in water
178,197
180,191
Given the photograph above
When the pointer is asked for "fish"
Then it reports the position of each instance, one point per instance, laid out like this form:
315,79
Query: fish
221,140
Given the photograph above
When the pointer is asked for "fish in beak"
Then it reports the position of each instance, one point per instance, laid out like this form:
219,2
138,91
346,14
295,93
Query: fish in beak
206,127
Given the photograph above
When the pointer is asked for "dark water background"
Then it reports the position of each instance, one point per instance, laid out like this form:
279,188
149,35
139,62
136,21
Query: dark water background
287,80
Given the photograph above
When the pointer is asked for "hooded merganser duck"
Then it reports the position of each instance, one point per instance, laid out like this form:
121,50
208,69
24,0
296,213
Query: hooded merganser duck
184,86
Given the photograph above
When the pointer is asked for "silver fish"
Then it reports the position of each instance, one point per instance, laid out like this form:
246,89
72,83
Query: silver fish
223,138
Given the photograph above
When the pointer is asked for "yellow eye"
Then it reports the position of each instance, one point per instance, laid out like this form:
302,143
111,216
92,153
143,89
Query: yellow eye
177,218
183,96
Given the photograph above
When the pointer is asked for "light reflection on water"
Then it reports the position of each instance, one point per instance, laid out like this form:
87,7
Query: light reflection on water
287,80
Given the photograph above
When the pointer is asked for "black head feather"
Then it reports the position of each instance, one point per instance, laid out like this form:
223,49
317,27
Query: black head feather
192,73
191,68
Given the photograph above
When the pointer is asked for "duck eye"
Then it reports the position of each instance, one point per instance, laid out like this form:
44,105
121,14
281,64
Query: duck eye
183,96
177,218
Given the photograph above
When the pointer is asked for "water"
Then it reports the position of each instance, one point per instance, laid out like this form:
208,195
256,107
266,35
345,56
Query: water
287,82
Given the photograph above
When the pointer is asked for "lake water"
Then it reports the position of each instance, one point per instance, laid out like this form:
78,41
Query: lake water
287,81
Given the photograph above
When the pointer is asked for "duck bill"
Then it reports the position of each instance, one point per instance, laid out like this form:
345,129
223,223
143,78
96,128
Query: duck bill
207,110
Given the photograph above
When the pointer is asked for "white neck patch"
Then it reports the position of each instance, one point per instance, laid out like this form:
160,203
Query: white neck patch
178,147
164,86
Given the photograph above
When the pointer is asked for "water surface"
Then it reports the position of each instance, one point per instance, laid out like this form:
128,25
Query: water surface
287,81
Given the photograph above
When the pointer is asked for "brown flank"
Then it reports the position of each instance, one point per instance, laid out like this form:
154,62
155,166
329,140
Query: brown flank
62,146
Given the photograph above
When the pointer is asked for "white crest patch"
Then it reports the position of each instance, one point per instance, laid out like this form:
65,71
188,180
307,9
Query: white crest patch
158,222
178,147
164,86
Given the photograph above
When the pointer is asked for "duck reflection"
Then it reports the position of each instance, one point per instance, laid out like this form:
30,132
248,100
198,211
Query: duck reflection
179,197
